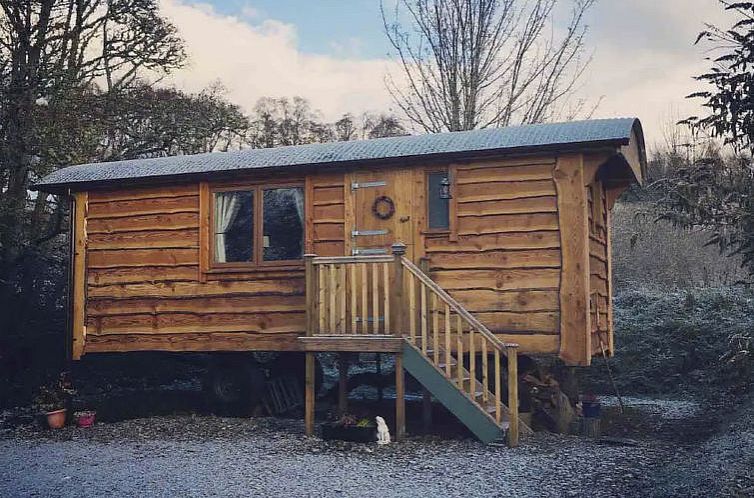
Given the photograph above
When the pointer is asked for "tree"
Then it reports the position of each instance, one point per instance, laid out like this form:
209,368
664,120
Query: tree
64,64
477,63
716,191
146,121
53,52
278,122
281,121
370,126
381,126
731,100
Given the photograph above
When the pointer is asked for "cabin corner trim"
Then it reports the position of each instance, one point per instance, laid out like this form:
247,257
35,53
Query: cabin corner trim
81,203
573,219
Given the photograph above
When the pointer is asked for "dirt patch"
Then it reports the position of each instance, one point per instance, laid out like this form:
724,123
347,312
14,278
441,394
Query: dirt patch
683,422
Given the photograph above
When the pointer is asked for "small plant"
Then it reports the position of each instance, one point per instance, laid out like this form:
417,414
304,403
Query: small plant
348,420
55,395
739,359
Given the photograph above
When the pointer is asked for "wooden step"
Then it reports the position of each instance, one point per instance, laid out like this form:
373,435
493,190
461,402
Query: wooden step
490,408
441,365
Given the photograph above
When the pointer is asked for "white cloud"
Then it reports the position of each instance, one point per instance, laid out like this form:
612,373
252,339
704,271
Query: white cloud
260,60
250,12
644,60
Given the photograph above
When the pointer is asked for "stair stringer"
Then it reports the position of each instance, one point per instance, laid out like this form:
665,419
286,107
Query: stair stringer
447,393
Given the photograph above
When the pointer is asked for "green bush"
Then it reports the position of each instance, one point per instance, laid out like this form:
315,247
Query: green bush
696,341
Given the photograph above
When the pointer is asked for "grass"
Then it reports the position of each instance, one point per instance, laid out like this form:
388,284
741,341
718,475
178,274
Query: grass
680,342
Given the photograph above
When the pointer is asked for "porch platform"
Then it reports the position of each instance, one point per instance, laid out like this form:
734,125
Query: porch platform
352,343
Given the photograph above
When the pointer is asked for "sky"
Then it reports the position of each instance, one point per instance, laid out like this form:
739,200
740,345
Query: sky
334,53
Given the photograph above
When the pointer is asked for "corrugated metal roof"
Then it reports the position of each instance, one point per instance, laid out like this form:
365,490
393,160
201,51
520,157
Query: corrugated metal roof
615,131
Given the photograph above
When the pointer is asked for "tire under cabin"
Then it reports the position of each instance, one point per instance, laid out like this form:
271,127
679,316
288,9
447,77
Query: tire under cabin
455,252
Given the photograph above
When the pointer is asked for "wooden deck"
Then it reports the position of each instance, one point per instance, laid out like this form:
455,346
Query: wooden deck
352,344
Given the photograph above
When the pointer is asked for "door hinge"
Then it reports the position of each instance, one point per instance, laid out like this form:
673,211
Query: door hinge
368,252
357,185
365,233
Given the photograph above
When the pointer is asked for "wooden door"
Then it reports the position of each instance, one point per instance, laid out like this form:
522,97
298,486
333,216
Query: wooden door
383,212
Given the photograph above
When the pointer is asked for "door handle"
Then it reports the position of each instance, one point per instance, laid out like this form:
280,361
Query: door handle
404,219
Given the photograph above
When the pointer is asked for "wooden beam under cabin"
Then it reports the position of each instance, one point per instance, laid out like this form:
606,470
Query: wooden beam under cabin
310,393
353,344
400,399
343,383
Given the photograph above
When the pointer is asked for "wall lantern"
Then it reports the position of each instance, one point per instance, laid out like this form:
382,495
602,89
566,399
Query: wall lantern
445,188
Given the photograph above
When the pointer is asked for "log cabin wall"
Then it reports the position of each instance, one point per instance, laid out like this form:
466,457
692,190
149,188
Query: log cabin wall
599,281
502,259
145,290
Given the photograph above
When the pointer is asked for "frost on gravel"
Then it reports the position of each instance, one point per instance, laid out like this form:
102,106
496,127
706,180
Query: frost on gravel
201,456
667,409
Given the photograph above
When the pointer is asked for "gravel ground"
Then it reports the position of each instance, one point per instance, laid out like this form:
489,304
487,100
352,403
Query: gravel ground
667,409
721,466
192,455
200,456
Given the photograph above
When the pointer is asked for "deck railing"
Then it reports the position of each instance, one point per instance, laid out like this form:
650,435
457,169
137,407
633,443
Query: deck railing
390,295
351,295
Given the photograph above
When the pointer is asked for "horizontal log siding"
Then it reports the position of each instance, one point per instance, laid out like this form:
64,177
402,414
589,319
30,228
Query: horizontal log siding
598,267
504,266
143,285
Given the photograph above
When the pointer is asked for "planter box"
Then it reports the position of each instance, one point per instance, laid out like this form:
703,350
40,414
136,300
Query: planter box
349,433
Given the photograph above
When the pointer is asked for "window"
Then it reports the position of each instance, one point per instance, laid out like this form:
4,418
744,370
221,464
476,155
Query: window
257,225
438,214
283,226
234,226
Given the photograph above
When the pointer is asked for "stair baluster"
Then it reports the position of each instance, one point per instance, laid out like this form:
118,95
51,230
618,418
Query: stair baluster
447,342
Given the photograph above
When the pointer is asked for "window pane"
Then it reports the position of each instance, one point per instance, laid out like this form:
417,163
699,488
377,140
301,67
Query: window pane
283,225
438,208
234,226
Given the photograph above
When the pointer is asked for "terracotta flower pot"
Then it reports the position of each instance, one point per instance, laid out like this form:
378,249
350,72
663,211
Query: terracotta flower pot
56,419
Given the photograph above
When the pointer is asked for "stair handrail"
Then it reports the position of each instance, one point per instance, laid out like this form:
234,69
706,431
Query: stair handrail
457,307
510,350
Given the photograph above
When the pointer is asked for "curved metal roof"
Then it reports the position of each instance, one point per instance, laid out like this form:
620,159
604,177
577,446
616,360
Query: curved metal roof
611,132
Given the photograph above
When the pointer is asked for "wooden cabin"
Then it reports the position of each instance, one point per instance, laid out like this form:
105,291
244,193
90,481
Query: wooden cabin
461,246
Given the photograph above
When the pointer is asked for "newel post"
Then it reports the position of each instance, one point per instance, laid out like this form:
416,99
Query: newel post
512,354
399,250
311,293
311,290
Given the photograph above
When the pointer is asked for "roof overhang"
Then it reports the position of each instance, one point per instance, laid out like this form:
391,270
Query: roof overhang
634,153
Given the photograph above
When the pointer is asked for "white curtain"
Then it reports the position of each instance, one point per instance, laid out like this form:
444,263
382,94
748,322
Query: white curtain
298,197
226,209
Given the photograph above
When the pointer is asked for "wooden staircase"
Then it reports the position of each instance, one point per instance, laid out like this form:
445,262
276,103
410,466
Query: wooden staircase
478,418
451,353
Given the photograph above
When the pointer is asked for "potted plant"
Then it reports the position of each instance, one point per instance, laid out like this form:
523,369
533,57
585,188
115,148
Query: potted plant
85,418
350,428
52,399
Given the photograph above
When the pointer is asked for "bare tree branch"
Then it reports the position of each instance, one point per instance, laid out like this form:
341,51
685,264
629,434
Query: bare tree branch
468,64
